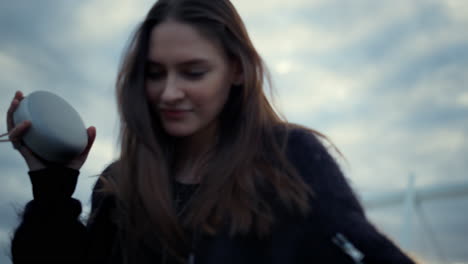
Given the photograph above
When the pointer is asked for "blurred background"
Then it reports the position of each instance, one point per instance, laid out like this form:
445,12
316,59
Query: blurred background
386,81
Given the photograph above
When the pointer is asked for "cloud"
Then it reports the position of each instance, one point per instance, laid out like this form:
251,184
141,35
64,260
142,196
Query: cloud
17,74
457,10
324,28
259,8
13,68
106,20
399,67
306,91
463,99
4,246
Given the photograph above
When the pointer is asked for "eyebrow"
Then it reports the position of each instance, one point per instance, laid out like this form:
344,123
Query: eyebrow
184,63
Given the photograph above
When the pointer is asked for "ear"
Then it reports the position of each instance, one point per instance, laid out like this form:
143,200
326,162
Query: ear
238,73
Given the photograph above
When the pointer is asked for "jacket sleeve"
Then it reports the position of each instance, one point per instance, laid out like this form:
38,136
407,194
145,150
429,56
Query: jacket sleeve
337,215
51,230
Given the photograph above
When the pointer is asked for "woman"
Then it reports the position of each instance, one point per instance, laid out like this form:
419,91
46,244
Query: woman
208,172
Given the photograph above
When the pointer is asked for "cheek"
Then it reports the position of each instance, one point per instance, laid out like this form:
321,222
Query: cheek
215,98
152,93
223,95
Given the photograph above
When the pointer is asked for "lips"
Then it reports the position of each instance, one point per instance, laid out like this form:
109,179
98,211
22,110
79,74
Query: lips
174,113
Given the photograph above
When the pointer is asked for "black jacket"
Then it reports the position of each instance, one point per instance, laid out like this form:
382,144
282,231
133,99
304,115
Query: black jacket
51,231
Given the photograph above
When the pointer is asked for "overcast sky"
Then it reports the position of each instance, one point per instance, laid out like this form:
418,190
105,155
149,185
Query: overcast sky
387,81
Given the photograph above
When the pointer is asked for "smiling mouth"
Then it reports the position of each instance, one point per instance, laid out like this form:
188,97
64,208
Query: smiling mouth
173,113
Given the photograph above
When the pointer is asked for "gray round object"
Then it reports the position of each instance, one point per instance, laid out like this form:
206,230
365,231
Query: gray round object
57,132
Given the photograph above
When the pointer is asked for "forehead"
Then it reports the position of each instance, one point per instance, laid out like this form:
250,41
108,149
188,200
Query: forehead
174,42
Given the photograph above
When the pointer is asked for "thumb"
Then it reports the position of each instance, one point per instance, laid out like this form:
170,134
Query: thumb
79,161
91,131
91,137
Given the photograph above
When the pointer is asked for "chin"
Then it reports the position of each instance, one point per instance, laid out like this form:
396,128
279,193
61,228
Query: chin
178,131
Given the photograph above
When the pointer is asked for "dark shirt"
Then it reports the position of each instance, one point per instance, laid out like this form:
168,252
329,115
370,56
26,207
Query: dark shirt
51,231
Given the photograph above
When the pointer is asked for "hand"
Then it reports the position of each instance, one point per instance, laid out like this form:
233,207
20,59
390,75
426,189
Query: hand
16,134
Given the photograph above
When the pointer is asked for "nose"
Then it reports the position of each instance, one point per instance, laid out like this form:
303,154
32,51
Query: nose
172,91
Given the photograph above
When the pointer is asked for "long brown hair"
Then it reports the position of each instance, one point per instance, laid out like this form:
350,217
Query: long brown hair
248,157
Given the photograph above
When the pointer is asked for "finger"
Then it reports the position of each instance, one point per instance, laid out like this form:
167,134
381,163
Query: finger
17,133
19,95
25,151
79,161
13,106
91,137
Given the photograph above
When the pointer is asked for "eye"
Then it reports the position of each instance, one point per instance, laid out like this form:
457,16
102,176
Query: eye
194,74
154,75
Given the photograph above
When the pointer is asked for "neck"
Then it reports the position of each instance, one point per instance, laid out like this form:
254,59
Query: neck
197,144
190,151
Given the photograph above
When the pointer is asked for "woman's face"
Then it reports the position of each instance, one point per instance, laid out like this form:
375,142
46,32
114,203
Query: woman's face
188,78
